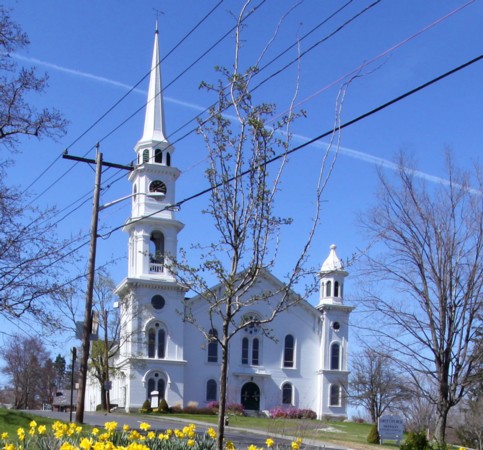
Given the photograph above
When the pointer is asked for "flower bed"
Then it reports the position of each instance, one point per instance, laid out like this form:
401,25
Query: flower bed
62,436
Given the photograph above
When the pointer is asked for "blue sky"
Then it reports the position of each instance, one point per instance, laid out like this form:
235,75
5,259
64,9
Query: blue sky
95,51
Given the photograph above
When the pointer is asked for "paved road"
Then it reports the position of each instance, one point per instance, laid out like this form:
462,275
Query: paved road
242,438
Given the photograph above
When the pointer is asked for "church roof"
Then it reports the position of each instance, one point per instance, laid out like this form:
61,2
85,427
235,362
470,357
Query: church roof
333,262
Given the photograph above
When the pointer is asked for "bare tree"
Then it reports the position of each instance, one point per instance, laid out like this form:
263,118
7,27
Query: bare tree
107,346
241,206
375,383
30,370
17,116
430,273
29,247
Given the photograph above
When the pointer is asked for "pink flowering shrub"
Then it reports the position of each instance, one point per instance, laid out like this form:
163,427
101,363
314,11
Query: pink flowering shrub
292,413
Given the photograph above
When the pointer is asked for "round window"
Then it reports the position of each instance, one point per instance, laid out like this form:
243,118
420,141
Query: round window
157,302
336,326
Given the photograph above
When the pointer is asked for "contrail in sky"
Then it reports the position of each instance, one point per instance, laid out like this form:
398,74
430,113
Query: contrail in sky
351,153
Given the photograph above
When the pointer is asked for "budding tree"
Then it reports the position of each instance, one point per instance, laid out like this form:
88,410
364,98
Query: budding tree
241,150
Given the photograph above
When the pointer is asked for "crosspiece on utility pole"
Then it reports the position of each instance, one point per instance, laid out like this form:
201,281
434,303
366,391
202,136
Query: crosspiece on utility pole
86,330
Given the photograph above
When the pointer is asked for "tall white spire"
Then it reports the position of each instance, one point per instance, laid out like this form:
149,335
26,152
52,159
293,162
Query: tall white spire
154,128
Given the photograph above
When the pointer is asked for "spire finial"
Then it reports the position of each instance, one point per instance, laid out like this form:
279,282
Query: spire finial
157,12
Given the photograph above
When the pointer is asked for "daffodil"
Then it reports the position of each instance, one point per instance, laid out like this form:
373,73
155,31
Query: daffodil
21,434
144,426
211,433
33,424
230,446
126,427
269,442
4,435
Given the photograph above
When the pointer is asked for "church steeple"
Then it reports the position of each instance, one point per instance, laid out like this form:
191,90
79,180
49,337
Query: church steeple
154,126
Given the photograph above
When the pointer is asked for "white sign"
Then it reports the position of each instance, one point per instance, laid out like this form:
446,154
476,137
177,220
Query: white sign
154,399
390,427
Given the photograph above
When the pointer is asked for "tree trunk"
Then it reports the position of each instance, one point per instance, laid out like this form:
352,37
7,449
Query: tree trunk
222,402
441,418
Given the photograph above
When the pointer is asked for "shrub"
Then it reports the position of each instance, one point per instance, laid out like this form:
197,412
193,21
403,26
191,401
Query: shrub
163,406
146,407
234,408
292,413
416,441
373,436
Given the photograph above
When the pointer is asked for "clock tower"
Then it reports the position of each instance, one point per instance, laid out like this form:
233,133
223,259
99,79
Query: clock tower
151,343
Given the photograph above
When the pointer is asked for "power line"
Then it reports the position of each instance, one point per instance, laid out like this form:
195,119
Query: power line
284,154
110,109
311,141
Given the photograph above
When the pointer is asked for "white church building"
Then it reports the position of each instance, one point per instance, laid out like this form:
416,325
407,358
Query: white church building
306,365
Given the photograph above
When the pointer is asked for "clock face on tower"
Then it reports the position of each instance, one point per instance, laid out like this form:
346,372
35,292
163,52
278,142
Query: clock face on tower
157,186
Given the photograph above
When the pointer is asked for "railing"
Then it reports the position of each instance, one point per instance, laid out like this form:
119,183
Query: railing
156,268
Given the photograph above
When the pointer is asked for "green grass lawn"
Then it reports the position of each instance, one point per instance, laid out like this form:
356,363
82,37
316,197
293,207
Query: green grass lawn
336,432
11,420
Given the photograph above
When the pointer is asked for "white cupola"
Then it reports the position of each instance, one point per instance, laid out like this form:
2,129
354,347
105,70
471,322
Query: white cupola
332,276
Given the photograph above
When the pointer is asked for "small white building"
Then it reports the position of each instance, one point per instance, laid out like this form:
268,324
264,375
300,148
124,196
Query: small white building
304,367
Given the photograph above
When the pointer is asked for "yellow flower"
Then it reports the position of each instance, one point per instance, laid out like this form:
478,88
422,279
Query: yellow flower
163,437
230,445
110,426
211,433
4,435
169,432
125,428
151,435
67,446
85,443
144,426
252,447
104,436
190,443
269,442
95,431
33,424
134,435
9,447
21,434
32,431
42,429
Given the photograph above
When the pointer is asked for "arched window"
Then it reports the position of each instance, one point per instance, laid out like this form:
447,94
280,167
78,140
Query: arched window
288,351
156,383
210,390
255,352
213,346
156,248
156,341
334,397
146,156
244,358
335,356
336,289
158,156
287,394
328,289
161,343
168,158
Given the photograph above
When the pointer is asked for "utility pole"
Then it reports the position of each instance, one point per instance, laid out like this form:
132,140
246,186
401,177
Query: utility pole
87,325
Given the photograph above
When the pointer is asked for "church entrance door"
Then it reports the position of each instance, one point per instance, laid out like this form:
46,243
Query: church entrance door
250,397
